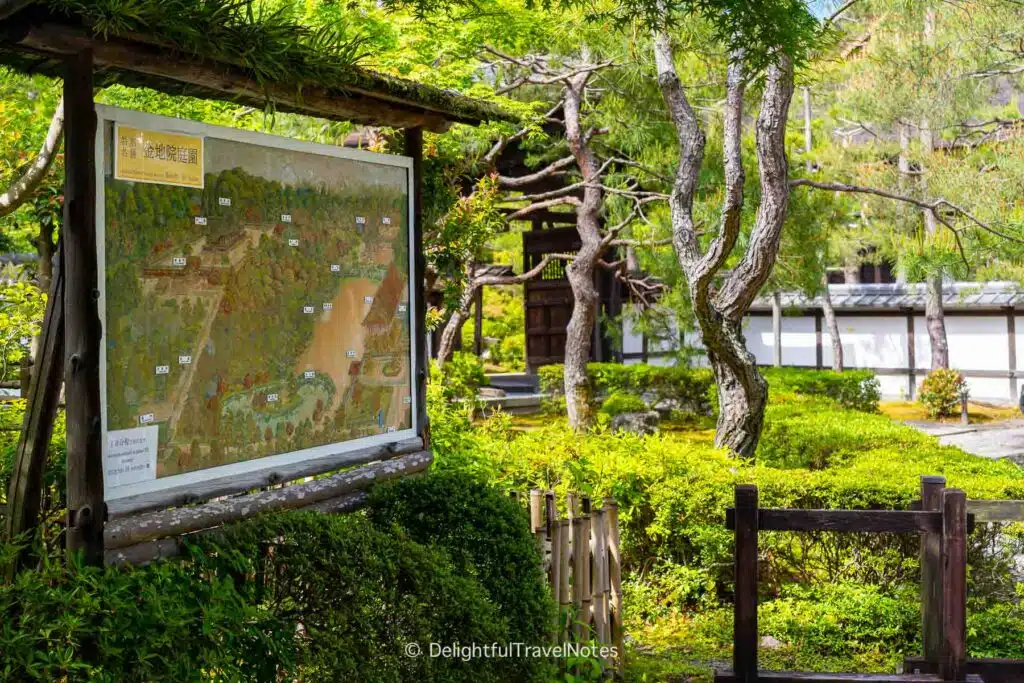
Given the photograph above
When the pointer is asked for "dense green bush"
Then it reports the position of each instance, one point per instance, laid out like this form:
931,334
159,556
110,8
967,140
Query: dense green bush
673,489
617,403
854,389
689,388
299,596
941,390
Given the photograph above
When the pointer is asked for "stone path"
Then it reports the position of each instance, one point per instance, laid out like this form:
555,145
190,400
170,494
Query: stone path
995,440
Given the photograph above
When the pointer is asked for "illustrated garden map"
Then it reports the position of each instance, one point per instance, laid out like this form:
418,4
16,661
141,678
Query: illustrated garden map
266,312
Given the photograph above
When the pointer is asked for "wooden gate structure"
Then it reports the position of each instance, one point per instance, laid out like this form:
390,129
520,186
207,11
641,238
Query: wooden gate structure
35,37
943,518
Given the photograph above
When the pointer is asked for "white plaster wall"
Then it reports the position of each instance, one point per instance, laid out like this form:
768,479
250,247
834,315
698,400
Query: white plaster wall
799,343
1019,325
868,342
893,386
632,341
977,343
922,344
990,388
758,331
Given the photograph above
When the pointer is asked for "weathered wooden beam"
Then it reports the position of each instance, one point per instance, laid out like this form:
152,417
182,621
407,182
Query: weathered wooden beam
231,82
996,510
414,150
931,571
953,651
745,643
990,670
26,488
174,522
876,521
162,548
82,327
189,494
729,676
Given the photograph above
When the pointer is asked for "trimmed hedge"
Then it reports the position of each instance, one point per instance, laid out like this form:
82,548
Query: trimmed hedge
693,389
299,596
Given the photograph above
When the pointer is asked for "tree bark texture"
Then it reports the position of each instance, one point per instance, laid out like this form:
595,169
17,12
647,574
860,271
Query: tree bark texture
742,392
580,272
833,326
935,321
21,189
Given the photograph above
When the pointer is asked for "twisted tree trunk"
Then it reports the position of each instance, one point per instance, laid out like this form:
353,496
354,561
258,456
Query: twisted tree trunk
833,327
742,392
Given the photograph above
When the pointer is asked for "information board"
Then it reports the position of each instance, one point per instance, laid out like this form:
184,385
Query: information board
256,301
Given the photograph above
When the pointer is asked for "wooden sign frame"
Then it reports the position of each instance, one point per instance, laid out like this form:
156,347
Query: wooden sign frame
245,475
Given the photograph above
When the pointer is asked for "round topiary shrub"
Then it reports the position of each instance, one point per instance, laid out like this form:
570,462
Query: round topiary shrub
941,390
620,402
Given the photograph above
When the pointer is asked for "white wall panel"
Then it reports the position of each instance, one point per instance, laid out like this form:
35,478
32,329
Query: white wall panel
632,341
893,386
922,344
758,331
799,344
990,388
977,343
869,342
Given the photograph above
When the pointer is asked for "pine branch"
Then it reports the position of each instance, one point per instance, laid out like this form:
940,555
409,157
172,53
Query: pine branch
21,189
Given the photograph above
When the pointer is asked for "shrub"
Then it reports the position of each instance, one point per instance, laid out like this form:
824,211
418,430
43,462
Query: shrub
854,389
686,387
941,390
618,403
298,596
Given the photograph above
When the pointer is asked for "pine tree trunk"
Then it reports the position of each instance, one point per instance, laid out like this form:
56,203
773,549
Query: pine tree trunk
453,328
935,321
579,338
833,328
742,391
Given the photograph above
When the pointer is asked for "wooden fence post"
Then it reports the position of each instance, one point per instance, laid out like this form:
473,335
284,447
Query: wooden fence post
553,529
931,572
82,326
744,656
615,581
583,573
579,558
600,576
954,585
565,529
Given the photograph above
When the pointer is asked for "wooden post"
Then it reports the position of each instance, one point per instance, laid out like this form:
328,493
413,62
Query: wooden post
552,530
583,575
478,322
615,581
537,514
744,655
1011,343
579,558
911,354
819,352
26,488
565,530
931,572
414,149
954,585
82,326
600,567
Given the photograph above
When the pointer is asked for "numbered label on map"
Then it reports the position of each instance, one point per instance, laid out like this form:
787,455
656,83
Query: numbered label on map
179,260
163,369
367,299
307,309
224,201
145,419
271,398
184,360
328,307
309,374
293,243
286,218
360,220
402,308
386,220
407,400
350,354
335,267
200,220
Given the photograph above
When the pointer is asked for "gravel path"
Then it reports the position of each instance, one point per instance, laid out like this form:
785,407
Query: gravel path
995,441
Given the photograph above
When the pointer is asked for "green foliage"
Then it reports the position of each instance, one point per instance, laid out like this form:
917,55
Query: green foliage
941,392
460,379
618,403
21,315
854,389
299,595
685,386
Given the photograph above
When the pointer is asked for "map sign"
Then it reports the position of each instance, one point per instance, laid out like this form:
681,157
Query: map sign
255,315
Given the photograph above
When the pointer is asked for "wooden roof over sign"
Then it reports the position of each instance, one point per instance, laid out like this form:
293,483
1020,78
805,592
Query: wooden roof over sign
34,38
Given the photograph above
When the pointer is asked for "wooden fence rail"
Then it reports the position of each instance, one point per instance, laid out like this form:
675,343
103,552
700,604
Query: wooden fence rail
582,560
